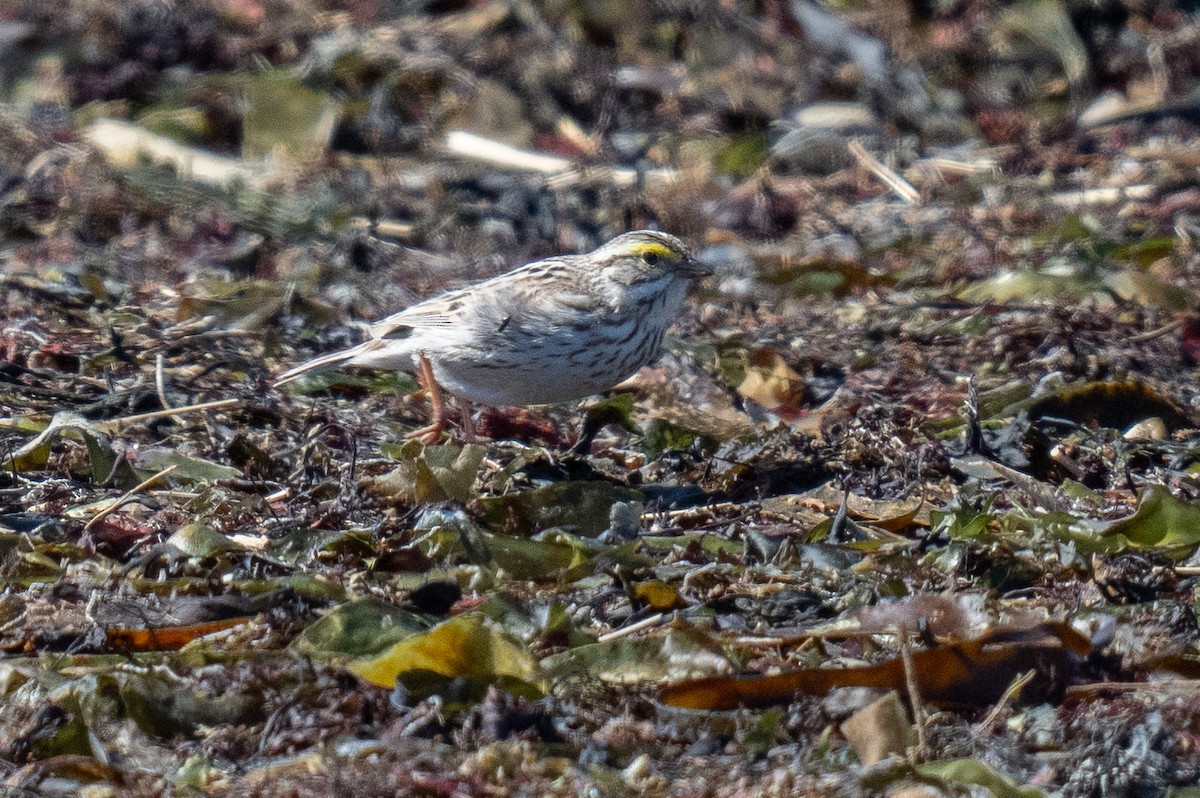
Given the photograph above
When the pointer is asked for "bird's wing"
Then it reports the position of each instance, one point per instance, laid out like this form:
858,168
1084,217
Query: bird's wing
441,311
505,299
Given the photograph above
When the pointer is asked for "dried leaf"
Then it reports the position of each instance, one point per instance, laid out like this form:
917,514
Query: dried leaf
165,638
772,383
880,729
973,673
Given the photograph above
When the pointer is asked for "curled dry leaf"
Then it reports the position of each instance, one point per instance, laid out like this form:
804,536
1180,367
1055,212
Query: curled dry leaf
969,674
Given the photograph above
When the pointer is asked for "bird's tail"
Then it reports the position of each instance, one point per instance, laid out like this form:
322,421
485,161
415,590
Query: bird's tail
346,357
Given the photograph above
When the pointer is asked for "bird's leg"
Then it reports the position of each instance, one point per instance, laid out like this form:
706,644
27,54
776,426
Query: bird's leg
468,423
437,415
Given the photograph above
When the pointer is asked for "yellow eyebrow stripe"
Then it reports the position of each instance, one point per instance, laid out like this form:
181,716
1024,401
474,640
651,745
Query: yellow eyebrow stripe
645,248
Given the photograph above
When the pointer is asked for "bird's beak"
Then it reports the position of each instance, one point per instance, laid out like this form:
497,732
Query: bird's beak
693,268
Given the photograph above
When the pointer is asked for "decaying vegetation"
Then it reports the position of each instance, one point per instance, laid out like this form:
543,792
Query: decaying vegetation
909,506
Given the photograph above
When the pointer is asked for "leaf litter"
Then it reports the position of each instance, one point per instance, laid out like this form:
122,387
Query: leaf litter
909,505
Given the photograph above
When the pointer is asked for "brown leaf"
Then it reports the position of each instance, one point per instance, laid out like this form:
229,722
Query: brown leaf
772,383
973,673
879,729
166,638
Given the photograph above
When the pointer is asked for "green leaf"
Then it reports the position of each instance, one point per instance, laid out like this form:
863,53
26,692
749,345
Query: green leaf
1183,792
1147,251
1028,286
429,474
1115,404
103,460
528,622
1162,523
663,436
1146,289
360,629
187,468
712,544
186,123
454,468
743,155
1046,25
966,773
302,546
616,409
961,523
199,541
164,708
681,653
306,586
535,559
285,117
239,305
579,506
386,382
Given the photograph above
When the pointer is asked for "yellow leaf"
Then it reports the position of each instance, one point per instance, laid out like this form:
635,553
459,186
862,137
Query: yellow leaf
467,646
659,596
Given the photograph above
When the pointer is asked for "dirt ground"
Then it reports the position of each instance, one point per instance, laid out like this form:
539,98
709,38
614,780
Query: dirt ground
909,506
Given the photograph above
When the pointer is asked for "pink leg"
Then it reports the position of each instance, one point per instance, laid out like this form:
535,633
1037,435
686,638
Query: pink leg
468,423
437,415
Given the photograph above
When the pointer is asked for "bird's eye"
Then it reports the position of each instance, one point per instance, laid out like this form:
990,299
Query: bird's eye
651,258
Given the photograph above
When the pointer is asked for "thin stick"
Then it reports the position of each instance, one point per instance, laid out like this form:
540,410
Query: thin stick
115,423
1087,691
1150,335
901,187
914,692
564,170
160,382
472,145
277,496
1108,195
391,228
645,623
1017,685
949,166
129,494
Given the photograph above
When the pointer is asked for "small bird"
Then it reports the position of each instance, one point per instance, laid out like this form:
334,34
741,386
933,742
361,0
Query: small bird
554,330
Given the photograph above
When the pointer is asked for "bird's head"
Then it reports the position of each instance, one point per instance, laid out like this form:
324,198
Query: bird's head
646,256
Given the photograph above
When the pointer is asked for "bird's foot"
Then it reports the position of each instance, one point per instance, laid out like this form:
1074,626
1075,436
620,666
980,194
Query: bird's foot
437,414
429,435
